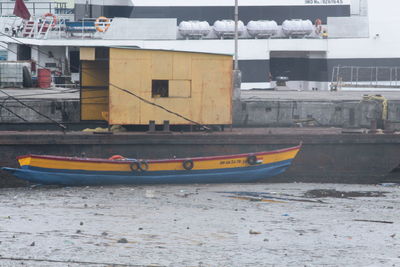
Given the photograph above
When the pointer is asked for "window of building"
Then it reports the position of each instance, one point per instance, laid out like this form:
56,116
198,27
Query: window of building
160,88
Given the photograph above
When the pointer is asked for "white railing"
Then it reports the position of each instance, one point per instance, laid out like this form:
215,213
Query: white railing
37,8
365,77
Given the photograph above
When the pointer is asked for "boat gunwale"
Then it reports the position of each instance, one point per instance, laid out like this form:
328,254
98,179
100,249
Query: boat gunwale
127,161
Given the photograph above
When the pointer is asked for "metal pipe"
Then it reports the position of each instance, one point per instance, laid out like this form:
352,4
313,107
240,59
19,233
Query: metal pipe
236,34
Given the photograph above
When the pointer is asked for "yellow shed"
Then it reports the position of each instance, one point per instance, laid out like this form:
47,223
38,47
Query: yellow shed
197,86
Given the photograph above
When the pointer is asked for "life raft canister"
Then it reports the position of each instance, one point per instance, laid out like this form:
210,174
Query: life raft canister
102,24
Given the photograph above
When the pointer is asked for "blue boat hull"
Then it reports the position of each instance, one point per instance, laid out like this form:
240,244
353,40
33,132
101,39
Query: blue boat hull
79,178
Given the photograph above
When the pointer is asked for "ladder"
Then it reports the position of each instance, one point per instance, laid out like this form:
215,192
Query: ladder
39,28
29,29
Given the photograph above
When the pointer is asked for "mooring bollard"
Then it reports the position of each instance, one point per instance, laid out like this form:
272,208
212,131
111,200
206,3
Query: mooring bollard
152,126
373,127
166,127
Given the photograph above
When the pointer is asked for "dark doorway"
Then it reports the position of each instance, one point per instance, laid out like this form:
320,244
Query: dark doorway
24,52
299,66
74,61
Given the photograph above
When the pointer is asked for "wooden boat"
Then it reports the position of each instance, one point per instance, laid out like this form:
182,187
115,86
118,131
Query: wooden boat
74,171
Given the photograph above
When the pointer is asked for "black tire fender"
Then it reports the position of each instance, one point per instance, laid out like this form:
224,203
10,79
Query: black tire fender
188,164
134,166
143,166
27,77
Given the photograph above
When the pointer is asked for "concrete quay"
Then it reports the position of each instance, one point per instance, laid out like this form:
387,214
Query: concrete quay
257,108
59,104
226,225
346,109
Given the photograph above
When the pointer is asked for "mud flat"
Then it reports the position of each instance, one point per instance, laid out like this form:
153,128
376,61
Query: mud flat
201,225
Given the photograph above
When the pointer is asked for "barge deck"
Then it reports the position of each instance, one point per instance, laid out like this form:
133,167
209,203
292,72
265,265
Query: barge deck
328,155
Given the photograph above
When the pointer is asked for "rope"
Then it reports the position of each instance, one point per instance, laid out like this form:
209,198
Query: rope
385,106
62,126
12,112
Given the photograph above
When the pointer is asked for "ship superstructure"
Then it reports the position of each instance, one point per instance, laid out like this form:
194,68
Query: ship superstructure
343,33
211,10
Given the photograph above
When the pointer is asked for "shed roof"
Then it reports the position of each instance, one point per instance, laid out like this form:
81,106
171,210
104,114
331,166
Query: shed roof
168,50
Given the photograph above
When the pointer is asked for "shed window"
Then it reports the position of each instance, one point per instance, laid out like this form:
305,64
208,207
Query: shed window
160,88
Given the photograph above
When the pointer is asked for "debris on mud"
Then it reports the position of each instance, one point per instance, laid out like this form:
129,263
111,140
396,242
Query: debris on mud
266,197
373,221
324,193
257,199
122,240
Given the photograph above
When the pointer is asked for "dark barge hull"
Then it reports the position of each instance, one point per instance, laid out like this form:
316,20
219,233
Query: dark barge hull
326,156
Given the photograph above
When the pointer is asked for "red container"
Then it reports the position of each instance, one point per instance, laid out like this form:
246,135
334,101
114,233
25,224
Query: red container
44,78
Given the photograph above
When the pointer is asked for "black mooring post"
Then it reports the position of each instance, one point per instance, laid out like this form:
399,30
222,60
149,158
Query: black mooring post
373,127
152,126
166,127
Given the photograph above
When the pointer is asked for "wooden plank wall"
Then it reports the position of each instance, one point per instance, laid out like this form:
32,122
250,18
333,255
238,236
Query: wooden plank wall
200,86
94,89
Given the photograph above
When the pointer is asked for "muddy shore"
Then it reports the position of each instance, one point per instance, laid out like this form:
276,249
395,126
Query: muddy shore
201,225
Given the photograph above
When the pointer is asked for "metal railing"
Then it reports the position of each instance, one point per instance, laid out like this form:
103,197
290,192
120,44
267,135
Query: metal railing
46,28
6,8
42,28
365,77
84,28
